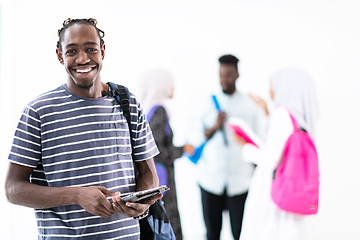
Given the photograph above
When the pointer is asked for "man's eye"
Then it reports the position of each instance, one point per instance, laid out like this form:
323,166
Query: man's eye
92,49
70,51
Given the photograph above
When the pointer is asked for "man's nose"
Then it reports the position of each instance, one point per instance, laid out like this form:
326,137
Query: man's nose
82,58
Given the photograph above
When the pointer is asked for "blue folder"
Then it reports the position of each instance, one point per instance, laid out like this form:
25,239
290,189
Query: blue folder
198,151
197,155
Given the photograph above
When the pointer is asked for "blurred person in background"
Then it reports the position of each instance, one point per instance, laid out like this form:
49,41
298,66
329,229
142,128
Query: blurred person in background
291,90
224,177
156,87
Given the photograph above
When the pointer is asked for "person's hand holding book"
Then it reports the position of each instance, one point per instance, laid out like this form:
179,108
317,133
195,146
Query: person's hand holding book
239,139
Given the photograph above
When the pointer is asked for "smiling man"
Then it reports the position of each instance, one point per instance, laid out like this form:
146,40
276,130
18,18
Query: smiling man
72,151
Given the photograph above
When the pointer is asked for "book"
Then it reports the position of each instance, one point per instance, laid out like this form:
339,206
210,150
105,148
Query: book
242,129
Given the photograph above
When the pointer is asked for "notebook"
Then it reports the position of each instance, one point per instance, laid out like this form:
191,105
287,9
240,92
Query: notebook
242,129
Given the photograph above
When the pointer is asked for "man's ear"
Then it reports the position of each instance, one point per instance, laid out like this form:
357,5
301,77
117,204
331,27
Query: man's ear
103,51
59,56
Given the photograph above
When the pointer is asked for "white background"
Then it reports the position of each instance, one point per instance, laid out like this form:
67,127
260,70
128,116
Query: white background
186,38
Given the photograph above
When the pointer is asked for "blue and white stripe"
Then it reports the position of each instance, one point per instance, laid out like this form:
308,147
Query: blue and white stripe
75,141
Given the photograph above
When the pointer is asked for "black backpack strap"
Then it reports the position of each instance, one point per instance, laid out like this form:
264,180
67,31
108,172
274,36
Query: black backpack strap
122,96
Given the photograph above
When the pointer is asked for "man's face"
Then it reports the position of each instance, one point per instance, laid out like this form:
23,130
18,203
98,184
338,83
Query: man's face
82,55
228,76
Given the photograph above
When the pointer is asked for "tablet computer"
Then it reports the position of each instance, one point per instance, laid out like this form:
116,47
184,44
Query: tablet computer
145,194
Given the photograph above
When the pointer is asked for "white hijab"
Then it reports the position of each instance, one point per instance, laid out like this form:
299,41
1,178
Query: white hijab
156,87
295,89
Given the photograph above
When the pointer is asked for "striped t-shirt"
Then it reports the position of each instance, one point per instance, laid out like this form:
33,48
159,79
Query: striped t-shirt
77,141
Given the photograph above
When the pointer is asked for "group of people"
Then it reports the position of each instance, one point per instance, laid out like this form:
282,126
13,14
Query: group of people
72,157
227,176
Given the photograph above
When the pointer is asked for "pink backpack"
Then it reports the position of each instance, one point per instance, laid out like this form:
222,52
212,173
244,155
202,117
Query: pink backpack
295,187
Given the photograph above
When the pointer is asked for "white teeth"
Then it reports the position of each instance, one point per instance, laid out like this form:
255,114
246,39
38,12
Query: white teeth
83,70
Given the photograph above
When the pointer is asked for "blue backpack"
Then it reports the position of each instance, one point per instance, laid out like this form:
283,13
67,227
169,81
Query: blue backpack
156,226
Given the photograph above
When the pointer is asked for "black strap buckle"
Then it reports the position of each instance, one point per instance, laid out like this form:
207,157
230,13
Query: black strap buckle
111,93
124,103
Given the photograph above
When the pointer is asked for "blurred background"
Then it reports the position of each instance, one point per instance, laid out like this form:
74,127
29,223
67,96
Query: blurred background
186,38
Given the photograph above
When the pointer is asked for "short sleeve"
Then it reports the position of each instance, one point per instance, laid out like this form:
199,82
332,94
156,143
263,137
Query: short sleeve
144,146
26,147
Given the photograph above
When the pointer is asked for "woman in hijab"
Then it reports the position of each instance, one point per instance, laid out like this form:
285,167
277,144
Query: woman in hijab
293,91
157,86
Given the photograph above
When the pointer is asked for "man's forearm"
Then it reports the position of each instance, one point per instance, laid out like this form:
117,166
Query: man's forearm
146,181
21,192
92,199
147,177
209,132
39,197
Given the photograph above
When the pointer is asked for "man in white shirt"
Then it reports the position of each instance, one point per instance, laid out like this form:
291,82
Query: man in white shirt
224,177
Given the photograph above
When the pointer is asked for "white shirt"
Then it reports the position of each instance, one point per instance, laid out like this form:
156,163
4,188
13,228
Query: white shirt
221,166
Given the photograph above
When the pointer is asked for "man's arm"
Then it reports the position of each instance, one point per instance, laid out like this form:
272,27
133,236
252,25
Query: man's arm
209,132
147,177
21,192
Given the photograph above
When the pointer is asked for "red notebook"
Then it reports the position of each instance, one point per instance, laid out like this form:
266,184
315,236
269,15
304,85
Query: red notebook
242,129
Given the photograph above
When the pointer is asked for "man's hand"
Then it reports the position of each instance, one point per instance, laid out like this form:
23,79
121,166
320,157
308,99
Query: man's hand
220,120
209,132
131,209
93,200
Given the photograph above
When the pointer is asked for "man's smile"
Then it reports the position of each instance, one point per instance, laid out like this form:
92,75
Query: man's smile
84,69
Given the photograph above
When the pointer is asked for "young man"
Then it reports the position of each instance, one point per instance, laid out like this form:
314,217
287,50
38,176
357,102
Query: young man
72,150
224,177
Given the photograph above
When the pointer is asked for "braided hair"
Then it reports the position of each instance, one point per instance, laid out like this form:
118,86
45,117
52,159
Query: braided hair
70,21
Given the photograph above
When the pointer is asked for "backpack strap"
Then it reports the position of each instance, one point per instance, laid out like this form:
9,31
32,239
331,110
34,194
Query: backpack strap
157,210
122,96
297,127
294,122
